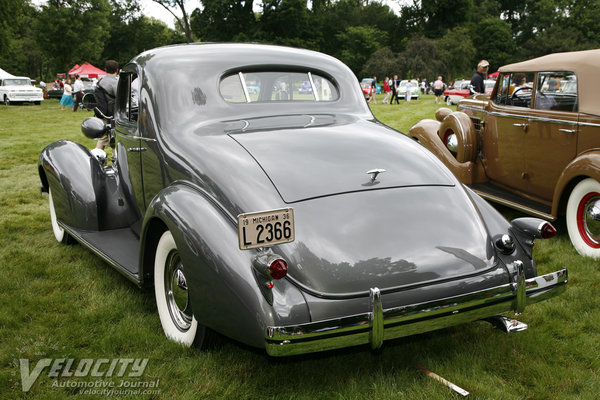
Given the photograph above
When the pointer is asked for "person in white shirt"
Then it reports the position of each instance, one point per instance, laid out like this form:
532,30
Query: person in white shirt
78,91
67,98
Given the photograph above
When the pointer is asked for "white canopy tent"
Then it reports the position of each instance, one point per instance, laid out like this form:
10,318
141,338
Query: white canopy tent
4,74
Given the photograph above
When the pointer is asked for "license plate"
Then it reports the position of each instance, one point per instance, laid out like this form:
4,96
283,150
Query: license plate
266,228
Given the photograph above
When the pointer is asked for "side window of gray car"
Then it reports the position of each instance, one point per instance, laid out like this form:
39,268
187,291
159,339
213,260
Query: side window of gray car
127,103
556,91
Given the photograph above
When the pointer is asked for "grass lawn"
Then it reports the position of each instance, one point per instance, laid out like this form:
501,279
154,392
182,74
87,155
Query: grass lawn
62,302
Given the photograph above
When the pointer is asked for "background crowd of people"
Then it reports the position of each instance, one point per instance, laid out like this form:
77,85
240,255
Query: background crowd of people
391,86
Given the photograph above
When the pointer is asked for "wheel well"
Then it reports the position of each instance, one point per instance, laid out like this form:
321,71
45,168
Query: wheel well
154,231
564,196
43,179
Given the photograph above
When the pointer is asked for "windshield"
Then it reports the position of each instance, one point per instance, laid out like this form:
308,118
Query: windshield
251,87
17,82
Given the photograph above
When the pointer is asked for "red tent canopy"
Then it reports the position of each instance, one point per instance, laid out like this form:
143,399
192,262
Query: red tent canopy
76,66
494,75
87,70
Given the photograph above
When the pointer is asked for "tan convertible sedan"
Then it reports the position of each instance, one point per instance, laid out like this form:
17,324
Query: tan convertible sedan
533,144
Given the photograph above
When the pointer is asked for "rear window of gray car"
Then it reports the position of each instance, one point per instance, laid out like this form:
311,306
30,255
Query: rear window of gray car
251,87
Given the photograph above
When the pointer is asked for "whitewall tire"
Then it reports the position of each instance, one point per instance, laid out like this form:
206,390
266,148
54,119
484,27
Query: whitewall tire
583,218
59,233
172,295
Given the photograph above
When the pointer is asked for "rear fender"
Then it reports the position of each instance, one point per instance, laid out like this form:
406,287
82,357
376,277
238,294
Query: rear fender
586,165
224,291
85,196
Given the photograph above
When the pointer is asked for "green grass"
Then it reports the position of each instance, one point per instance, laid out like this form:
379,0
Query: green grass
63,302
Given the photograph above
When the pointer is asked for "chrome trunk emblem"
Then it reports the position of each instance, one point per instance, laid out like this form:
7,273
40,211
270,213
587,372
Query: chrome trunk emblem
374,173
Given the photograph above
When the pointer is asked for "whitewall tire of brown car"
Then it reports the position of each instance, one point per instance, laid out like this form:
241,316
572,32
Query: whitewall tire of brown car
583,217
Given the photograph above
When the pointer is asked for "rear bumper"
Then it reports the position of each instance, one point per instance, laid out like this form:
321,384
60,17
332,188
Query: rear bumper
379,324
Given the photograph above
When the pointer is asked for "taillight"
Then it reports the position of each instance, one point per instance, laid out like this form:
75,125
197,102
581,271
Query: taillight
547,231
269,266
278,269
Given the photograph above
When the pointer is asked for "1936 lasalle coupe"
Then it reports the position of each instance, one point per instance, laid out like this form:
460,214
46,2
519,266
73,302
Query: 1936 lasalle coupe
288,221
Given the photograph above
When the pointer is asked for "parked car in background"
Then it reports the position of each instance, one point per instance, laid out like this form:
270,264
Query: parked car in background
462,89
290,224
370,81
366,89
458,91
414,89
19,89
534,144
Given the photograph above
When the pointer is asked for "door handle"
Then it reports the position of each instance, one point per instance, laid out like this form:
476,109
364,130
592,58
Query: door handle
524,126
136,149
567,130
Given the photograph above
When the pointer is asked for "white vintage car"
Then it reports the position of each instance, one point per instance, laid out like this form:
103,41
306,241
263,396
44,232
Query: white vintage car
18,89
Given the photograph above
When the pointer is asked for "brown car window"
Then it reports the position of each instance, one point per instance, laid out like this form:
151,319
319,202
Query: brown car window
515,89
556,91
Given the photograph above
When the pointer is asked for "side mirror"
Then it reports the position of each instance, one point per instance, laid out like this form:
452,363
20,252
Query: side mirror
94,128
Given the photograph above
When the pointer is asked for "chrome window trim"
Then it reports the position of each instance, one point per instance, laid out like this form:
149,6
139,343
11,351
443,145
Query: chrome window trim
243,82
314,88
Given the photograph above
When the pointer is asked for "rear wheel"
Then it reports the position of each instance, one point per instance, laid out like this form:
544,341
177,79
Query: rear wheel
583,218
448,100
173,297
59,233
6,101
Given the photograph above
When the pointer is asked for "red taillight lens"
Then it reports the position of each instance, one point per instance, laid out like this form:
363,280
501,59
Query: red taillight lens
278,269
547,231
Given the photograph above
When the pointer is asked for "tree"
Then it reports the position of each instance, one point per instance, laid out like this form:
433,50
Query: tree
72,30
357,44
223,20
442,15
182,22
420,59
494,42
10,15
382,62
457,53
288,22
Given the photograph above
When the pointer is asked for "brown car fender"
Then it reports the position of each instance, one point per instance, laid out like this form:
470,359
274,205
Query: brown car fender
587,165
460,124
428,132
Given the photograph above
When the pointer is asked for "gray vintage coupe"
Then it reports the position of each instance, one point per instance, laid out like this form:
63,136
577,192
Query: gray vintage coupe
287,220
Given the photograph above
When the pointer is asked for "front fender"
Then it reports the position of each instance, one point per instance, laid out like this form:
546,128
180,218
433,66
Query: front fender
86,196
224,292
586,165
75,177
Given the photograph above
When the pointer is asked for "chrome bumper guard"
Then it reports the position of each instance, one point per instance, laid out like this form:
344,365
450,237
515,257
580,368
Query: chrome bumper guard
379,324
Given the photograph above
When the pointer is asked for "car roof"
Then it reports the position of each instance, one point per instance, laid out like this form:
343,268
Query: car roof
583,63
190,73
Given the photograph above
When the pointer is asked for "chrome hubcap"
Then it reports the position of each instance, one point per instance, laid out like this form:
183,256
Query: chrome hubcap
591,217
176,291
452,143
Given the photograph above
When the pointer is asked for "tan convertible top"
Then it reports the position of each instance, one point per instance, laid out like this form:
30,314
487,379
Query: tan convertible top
586,64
